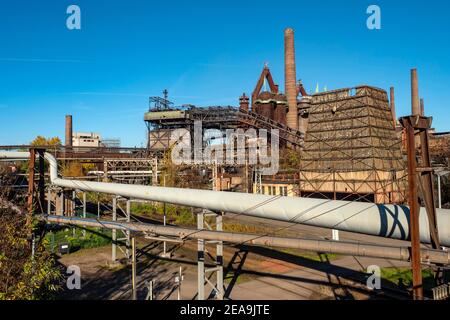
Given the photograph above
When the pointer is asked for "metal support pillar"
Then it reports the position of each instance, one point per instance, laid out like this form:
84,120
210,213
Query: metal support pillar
125,234
155,172
200,260
419,178
49,201
114,231
133,269
41,182
149,285
165,254
246,176
257,180
426,183
179,279
31,186
84,210
414,211
219,260
335,235
105,171
61,203
204,273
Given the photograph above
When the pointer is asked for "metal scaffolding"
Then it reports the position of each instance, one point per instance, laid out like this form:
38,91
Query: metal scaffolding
205,274
124,235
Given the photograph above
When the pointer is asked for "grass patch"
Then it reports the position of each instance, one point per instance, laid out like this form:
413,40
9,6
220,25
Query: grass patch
93,238
404,275
241,278
175,214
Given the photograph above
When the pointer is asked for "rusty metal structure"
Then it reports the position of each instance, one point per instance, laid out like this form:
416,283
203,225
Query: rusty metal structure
420,180
36,183
161,123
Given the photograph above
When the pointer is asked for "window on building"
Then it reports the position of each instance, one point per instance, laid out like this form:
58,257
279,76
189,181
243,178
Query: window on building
263,190
285,191
274,190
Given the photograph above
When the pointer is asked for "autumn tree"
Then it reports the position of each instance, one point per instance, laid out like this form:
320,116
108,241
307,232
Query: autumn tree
23,275
42,141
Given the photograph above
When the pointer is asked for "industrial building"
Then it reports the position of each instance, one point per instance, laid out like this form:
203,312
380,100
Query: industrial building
344,144
346,139
86,139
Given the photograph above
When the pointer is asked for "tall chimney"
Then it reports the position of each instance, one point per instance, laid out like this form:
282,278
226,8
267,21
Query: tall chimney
415,107
68,131
290,78
392,103
422,108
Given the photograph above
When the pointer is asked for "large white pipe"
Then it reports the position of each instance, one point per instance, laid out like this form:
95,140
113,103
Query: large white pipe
391,221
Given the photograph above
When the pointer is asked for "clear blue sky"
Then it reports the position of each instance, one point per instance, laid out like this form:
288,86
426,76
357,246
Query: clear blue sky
204,53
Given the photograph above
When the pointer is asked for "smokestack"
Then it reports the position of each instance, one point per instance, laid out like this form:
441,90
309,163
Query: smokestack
68,131
290,78
392,103
415,107
422,108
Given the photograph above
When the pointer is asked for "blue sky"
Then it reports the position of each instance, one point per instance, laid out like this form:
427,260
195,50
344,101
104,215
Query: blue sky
204,53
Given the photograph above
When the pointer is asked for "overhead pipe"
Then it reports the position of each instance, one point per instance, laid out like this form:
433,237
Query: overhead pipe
384,220
323,246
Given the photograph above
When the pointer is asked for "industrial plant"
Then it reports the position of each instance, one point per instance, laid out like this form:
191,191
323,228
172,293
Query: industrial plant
352,180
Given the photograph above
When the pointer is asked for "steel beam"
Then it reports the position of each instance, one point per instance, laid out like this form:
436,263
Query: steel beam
414,211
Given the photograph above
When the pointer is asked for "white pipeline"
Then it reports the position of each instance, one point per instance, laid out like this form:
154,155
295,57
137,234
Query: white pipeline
391,221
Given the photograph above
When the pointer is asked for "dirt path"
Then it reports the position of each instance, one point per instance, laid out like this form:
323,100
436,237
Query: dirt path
250,273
